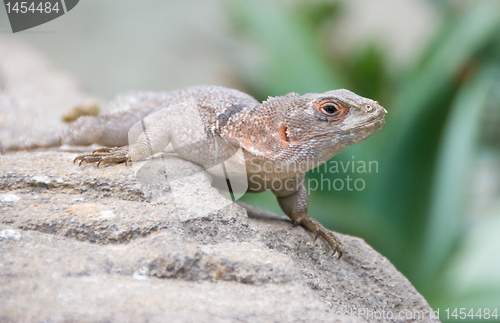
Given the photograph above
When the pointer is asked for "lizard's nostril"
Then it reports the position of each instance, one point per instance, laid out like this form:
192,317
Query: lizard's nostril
369,108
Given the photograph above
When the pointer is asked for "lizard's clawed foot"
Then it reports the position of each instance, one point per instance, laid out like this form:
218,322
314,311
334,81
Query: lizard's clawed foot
319,230
105,155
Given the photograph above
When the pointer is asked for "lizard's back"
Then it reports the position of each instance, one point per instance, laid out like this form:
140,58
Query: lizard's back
112,129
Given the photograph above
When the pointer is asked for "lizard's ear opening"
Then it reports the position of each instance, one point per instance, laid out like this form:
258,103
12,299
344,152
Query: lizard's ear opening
284,133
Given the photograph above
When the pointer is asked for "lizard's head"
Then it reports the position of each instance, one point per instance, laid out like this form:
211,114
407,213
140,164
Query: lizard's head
307,130
332,121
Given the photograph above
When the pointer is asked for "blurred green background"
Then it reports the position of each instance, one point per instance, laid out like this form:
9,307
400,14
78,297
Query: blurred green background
433,205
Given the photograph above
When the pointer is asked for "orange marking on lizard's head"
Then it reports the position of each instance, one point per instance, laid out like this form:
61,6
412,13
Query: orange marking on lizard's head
334,110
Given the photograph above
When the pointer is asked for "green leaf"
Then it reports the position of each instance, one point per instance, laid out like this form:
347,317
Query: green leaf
451,183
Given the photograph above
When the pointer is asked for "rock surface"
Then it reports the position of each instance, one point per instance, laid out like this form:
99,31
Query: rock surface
140,243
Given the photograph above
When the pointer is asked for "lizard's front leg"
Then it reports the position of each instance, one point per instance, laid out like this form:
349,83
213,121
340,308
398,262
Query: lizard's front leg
150,142
294,202
105,155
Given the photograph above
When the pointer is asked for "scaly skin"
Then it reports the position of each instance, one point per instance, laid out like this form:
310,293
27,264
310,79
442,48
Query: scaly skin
272,144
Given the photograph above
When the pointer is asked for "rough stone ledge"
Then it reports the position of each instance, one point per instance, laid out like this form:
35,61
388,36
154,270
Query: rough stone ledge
97,235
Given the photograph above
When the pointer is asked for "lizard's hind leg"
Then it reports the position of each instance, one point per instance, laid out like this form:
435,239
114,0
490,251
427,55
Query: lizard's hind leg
87,130
47,140
108,130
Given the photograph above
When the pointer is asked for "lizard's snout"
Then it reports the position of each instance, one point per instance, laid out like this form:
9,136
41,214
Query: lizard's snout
373,117
377,111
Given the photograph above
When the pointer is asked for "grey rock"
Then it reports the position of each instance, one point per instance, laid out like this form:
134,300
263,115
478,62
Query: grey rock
140,243
9,198
10,234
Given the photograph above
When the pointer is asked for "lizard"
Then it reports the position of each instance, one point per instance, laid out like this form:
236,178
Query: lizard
278,140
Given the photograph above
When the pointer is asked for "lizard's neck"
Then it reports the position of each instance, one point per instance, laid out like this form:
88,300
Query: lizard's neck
274,141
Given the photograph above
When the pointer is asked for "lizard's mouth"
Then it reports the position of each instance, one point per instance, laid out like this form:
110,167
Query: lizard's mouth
369,122
365,129
377,123
372,123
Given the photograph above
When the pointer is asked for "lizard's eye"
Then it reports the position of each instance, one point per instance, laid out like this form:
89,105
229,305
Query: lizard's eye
331,109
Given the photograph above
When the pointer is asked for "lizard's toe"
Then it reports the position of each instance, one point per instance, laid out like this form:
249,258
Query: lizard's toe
84,159
112,159
332,241
78,158
102,150
317,235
